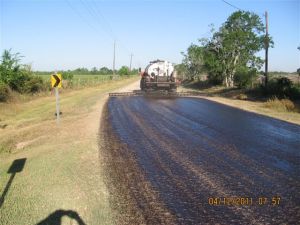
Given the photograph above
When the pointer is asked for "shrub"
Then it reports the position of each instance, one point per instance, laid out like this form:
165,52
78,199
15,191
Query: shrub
33,85
124,70
215,79
11,72
284,105
16,76
9,65
5,92
280,87
17,81
67,76
242,97
288,104
243,77
295,92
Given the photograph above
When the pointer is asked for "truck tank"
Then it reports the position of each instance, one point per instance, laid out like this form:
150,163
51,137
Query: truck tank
159,75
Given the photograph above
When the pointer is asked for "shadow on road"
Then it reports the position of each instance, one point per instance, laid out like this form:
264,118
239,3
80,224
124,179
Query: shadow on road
56,218
16,167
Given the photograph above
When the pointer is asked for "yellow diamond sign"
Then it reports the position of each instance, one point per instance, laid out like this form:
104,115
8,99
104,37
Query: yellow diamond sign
56,80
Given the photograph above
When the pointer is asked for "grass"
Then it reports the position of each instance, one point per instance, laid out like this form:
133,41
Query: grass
76,77
283,105
79,82
85,80
63,167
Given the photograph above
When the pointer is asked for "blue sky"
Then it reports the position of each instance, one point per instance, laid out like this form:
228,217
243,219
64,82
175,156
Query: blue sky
67,34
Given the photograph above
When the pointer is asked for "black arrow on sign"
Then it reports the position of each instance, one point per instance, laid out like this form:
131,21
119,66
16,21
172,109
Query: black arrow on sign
57,80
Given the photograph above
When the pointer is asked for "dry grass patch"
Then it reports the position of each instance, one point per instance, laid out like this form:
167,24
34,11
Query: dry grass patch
282,105
242,96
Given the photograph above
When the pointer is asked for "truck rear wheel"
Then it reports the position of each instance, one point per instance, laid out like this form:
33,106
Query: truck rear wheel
142,84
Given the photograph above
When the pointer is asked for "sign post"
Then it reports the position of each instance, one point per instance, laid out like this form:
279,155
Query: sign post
57,105
56,82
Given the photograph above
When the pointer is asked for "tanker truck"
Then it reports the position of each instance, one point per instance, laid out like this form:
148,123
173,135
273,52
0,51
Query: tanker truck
158,75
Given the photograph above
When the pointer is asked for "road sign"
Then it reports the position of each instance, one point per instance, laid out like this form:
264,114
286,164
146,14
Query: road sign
56,80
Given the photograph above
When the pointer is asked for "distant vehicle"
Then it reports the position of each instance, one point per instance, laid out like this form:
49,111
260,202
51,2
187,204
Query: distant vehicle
159,75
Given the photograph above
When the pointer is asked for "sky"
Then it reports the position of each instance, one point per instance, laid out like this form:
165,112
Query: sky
55,35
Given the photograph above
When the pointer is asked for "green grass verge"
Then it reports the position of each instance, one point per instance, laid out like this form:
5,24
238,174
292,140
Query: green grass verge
63,166
85,80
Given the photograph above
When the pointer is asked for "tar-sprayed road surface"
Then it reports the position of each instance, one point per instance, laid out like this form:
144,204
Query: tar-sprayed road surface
193,161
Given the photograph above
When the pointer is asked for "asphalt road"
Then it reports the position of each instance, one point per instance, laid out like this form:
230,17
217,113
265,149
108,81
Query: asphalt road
193,161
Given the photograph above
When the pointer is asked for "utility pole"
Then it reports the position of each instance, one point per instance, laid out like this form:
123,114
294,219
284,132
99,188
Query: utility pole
114,60
130,62
266,50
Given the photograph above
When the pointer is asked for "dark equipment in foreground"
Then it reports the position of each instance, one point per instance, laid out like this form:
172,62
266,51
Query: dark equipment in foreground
156,94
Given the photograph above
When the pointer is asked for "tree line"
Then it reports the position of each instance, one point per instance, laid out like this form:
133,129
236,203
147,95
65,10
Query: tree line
229,56
124,70
20,78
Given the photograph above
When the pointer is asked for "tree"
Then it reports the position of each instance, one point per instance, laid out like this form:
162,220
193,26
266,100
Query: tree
193,61
67,75
181,71
9,66
230,51
236,43
124,71
81,71
11,72
105,71
94,70
134,71
16,76
213,64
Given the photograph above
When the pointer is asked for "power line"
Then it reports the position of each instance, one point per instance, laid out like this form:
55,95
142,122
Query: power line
97,17
80,15
98,12
95,13
108,25
232,5
115,37
85,19
113,34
